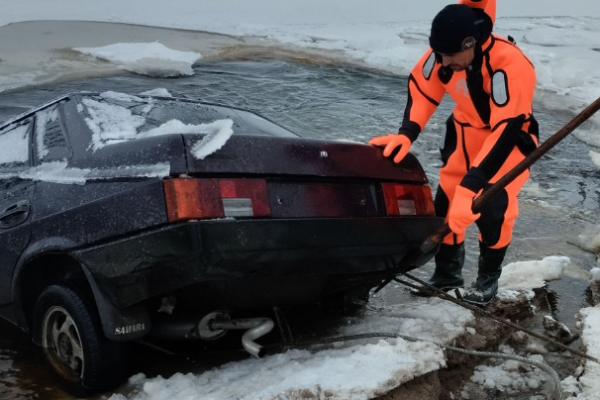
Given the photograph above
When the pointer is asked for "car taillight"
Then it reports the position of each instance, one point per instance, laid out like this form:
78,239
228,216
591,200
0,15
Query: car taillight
189,198
408,199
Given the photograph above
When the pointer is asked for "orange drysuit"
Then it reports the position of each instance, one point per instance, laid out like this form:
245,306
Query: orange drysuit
490,131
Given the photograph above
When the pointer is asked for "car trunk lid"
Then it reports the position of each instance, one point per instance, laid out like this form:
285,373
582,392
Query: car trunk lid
273,156
260,177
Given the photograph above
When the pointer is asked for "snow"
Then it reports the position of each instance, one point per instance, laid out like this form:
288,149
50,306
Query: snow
595,158
532,274
113,123
590,239
153,59
589,325
14,146
431,319
298,373
356,370
510,376
159,92
218,133
60,172
128,98
110,123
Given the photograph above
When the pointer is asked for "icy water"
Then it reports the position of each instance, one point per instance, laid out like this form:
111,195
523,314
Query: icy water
342,102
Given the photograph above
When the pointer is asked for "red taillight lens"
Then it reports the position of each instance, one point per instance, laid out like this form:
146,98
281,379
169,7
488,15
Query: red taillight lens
408,199
216,198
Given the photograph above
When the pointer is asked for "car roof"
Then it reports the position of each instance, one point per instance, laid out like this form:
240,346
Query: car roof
165,98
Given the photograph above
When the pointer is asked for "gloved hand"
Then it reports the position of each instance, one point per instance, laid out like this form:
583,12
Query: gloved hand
460,215
391,142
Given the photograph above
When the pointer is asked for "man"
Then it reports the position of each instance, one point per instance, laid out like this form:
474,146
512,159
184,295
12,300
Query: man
490,131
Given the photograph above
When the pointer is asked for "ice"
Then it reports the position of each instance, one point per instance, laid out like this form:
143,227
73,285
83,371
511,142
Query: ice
560,39
160,92
110,123
42,118
357,370
60,172
533,189
153,59
595,158
14,146
532,274
217,134
589,324
590,239
510,376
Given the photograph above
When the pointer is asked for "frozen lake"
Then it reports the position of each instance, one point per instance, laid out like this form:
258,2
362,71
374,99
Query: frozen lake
319,97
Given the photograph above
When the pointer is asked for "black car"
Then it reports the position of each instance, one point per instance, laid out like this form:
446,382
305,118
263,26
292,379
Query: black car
136,217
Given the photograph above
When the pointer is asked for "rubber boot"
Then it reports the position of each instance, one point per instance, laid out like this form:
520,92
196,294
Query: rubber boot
449,261
483,290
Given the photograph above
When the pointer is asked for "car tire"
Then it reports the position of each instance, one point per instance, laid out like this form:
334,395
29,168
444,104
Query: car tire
67,322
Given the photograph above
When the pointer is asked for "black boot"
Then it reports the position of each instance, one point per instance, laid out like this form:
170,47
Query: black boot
449,261
483,290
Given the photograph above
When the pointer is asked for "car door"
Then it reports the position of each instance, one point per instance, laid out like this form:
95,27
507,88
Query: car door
16,192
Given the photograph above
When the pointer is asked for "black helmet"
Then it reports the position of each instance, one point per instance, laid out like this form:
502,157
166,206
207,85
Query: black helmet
455,28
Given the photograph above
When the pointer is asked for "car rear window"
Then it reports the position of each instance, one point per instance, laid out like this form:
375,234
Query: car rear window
116,117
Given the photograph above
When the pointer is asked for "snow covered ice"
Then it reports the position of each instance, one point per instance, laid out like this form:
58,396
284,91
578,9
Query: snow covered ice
153,59
356,371
562,39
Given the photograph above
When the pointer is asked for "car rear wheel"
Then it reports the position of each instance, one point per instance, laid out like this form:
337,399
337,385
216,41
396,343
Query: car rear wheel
68,325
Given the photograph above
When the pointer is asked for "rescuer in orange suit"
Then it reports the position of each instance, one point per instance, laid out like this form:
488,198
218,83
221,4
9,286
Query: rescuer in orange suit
490,131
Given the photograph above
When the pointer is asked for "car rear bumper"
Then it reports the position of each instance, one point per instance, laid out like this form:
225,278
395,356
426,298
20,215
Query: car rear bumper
160,261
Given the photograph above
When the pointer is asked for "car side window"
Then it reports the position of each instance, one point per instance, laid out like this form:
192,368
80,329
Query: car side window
14,144
50,141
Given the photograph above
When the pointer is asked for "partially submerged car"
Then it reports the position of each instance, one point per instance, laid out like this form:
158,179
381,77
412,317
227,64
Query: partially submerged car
136,217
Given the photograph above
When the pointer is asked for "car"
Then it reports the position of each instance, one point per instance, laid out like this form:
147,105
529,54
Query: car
129,217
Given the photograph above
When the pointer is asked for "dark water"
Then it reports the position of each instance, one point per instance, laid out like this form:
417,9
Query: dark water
341,102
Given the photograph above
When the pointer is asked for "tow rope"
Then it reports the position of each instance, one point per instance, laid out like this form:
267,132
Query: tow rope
445,296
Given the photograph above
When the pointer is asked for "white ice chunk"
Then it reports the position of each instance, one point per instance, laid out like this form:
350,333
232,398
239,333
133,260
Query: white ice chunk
589,324
60,172
218,133
109,94
109,122
153,59
532,274
14,144
176,126
358,372
595,158
161,92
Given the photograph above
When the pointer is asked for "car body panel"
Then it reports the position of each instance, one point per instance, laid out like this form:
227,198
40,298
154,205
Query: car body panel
15,230
327,214
160,261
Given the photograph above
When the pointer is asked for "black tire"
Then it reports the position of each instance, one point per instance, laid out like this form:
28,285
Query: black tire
67,323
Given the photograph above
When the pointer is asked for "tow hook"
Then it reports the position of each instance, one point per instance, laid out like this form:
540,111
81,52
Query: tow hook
217,324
